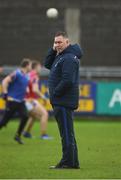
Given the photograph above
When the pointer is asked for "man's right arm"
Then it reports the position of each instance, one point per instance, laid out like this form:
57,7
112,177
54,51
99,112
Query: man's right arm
5,85
50,58
6,82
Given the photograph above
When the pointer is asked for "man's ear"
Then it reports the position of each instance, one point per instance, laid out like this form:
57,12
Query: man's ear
67,40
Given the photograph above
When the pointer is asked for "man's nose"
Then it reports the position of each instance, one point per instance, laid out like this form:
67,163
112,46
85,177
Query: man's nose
58,45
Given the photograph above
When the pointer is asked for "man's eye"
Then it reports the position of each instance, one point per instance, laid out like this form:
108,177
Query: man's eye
58,42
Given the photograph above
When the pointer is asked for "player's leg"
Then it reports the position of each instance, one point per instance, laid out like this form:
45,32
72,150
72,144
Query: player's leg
69,147
23,119
9,111
42,114
29,125
30,105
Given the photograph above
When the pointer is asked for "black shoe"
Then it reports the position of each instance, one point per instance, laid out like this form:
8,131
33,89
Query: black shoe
64,167
18,139
1,126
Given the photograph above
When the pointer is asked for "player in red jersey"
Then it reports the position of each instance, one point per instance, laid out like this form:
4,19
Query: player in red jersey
35,109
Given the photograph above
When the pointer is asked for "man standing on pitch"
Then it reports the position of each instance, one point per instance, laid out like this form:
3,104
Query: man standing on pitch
63,62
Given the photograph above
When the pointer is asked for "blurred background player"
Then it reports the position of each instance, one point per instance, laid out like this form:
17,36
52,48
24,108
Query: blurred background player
14,89
35,109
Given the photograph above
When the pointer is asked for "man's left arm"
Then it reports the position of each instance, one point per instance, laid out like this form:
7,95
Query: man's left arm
69,74
36,89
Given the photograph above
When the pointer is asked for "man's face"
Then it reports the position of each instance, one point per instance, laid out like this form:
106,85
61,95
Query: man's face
38,68
60,43
29,67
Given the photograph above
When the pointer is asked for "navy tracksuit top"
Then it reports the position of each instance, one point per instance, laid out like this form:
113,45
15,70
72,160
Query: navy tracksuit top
64,76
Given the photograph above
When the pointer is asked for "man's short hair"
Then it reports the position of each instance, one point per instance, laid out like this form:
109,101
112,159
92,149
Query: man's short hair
25,62
35,63
61,33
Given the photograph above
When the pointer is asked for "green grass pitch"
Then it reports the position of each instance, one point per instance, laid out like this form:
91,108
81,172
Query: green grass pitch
99,145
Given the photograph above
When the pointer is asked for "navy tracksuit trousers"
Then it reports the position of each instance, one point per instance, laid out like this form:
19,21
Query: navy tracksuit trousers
64,118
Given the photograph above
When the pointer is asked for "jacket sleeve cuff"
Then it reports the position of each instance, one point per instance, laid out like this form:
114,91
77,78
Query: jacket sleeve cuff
52,51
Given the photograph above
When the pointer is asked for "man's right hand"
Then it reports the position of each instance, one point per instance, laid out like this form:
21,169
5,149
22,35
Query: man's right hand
54,48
